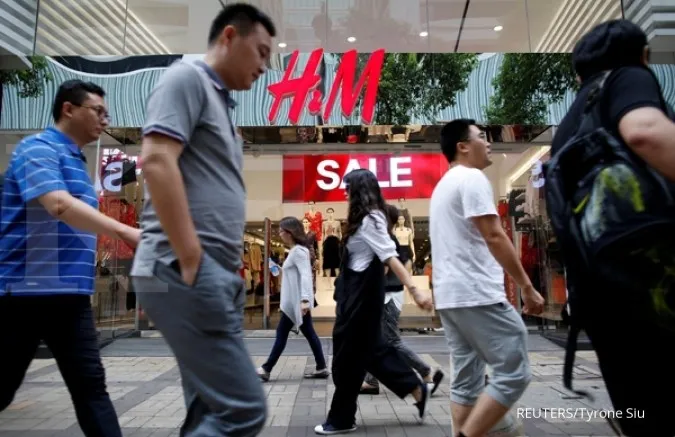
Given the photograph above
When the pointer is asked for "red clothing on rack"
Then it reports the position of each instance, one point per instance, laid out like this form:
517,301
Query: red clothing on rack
124,212
529,255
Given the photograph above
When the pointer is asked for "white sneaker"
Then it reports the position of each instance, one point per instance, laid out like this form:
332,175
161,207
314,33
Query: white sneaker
327,429
265,376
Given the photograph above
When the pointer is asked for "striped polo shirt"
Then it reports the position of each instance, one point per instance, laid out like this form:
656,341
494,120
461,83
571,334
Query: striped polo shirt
40,255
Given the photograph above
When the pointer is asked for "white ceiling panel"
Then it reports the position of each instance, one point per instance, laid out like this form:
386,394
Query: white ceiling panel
182,25
445,21
136,27
495,26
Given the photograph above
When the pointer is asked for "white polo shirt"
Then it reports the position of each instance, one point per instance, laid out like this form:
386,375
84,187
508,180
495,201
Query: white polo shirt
465,273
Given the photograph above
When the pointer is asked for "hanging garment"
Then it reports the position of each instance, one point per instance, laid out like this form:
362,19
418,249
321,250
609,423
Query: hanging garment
121,211
256,257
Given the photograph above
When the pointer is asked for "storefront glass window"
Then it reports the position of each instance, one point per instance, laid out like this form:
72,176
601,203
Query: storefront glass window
118,182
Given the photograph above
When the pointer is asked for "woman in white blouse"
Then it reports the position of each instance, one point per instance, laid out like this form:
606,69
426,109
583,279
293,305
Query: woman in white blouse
358,343
297,298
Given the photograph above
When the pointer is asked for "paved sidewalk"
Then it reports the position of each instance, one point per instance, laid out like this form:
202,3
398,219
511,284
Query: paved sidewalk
147,394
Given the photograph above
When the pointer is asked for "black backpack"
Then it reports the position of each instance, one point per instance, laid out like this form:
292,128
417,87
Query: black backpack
614,219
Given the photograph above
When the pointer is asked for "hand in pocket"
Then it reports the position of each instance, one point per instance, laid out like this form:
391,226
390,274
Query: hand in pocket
189,268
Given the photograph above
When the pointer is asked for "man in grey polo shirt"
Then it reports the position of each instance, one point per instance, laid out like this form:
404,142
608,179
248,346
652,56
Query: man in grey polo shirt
185,270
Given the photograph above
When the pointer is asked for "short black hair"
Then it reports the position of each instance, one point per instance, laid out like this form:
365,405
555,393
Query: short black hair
242,16
609,45
452,133
73,91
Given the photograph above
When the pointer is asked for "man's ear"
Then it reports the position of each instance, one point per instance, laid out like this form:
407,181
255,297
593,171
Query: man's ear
646,54
462,147
227,35
67,110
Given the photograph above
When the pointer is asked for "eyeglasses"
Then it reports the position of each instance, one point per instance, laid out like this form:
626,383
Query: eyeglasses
100,111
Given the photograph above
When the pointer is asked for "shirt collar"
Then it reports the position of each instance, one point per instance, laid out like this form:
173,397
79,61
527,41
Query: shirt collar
218,83
67,141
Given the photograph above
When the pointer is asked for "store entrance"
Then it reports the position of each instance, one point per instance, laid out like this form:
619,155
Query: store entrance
262,285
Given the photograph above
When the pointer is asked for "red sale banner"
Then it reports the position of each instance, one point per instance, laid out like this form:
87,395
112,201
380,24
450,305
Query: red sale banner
319,178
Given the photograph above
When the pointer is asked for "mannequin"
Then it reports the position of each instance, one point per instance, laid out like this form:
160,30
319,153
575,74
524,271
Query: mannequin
408,218
311,237
404,235
315,220
332,234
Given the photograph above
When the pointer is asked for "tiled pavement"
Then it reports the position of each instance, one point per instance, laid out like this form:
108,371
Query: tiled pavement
146,391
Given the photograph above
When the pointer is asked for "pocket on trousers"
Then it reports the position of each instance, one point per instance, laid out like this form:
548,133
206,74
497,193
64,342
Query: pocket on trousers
504,307
171,274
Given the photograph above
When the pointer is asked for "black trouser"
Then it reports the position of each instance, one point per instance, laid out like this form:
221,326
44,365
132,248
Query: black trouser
350,364
392,336
359,347
66,324
635,358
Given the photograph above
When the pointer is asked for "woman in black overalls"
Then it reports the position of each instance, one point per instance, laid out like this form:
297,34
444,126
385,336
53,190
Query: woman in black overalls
358,343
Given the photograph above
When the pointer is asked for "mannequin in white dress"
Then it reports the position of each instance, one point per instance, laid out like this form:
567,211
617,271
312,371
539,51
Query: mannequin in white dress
404,235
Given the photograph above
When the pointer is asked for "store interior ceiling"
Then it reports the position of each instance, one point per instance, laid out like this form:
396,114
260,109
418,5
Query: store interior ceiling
141,27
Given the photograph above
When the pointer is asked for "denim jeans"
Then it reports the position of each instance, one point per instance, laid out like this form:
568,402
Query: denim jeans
283,329
66,324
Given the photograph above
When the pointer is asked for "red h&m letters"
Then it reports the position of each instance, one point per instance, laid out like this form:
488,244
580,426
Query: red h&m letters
299,88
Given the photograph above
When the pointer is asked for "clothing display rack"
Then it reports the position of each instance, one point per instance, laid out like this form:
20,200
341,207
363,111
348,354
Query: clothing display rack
537,244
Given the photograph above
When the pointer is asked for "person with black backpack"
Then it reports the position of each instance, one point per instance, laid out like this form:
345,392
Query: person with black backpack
610,196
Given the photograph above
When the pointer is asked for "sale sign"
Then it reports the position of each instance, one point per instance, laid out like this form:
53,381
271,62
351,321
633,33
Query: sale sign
298,89
320,178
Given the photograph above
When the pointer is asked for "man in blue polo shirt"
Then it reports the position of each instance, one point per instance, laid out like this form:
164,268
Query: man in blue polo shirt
48,228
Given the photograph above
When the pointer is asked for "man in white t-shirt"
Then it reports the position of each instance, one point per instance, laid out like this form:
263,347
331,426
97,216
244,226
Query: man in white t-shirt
471,251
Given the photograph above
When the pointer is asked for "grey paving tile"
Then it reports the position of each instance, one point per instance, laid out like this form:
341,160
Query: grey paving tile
145,385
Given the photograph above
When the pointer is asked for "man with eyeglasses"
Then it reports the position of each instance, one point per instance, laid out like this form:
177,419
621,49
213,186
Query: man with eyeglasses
48,232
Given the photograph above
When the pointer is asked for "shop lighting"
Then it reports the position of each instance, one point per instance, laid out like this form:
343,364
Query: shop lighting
351,39
526,166
499,28
424,34
282,44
